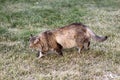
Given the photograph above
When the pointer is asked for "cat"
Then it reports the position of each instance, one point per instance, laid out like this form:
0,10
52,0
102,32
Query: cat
73,35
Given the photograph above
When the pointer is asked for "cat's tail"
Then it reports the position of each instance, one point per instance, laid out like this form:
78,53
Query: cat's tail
96,37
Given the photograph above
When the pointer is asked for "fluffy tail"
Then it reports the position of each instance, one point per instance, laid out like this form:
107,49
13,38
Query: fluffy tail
96,37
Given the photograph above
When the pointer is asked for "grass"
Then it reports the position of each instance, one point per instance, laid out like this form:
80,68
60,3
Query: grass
20,18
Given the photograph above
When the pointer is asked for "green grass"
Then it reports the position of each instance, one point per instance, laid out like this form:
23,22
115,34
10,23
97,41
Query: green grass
20,18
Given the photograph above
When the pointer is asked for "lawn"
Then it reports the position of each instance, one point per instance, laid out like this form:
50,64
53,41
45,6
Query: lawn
20,18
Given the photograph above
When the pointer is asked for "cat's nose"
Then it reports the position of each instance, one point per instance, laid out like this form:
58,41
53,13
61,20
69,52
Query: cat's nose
30,46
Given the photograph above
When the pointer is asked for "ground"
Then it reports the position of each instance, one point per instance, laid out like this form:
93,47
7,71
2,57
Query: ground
20,18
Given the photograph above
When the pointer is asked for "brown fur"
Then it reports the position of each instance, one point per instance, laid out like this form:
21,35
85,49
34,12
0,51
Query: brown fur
73,35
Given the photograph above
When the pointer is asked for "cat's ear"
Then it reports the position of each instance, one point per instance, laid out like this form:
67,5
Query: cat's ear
36,41
31,35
